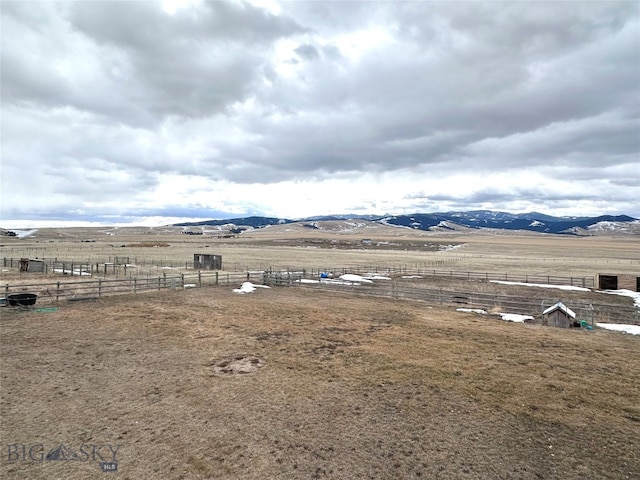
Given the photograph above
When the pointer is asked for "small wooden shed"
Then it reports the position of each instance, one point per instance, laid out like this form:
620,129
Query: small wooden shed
558,315
202,261
32,265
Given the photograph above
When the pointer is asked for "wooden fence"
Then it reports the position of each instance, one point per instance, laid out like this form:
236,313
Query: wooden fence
95,289
533,304
397,287
396,271
119,267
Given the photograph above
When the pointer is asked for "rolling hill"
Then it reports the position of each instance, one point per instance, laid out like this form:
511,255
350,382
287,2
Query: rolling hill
476,219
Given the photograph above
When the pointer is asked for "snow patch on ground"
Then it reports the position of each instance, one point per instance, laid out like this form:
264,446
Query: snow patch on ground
619,327
352,277
24,233
472,310
625,293
543,285
248,287
375,276
448,248
507,317
346,279
514,317
71,272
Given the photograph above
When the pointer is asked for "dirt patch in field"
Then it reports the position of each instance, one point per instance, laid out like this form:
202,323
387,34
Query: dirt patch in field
417,245
350,388
148,244
238,364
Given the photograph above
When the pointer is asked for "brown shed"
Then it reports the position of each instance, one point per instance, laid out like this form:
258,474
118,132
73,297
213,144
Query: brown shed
203,261
558,315
32,265
618,282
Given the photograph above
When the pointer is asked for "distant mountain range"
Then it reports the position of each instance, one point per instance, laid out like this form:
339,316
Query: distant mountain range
477,219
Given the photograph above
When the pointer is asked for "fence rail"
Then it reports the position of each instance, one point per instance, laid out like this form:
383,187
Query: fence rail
120,267
398,287
94,289
401,270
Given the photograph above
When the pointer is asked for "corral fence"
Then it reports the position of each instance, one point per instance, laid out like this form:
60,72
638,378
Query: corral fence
95,289
396,287
123,266
400,288
113,266
576,281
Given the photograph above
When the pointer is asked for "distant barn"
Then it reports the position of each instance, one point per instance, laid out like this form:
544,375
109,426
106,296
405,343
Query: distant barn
618,282
558,315
207,262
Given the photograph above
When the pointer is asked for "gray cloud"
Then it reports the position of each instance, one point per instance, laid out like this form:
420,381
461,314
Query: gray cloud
138,64
120,96
308,52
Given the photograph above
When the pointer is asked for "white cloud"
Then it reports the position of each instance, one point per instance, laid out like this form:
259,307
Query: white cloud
183,107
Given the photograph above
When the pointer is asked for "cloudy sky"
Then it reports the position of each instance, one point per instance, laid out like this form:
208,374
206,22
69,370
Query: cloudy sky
121,111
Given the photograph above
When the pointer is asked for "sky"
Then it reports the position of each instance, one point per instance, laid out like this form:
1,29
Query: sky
150,112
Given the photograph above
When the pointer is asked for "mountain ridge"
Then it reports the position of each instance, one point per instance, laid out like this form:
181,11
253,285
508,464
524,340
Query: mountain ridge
476,219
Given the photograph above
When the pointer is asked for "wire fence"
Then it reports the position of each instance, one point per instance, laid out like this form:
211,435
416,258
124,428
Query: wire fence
586,281
399,286
403,288
127,266
95,289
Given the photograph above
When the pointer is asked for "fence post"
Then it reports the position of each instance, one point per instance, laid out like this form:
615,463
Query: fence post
216,279
99,287
200,278
58,289
135,285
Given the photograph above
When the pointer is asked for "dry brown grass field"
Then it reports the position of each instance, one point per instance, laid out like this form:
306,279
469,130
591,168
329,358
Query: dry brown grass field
298,383
334,386
153,250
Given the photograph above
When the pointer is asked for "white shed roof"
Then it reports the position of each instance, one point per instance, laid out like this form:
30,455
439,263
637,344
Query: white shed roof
560,306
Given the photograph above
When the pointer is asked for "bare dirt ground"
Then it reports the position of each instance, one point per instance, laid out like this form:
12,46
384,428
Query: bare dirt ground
294,383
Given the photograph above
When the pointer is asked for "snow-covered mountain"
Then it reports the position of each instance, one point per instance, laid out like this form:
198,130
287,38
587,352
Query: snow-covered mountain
533,221
476,219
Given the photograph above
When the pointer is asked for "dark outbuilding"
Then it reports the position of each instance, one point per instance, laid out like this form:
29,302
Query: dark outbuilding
203,261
